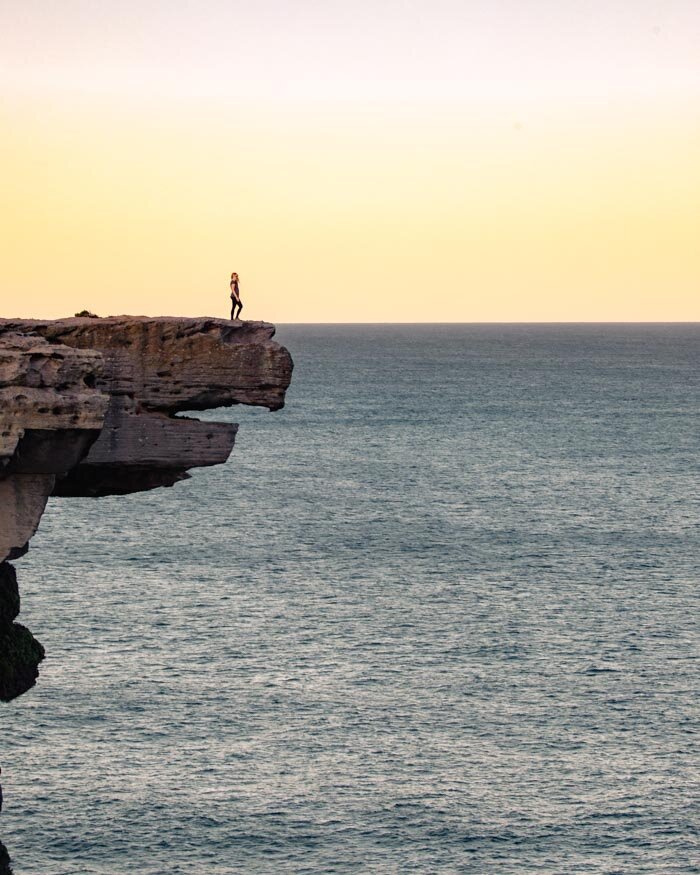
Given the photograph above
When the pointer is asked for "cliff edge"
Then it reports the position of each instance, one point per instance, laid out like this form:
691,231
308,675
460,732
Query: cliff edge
88,408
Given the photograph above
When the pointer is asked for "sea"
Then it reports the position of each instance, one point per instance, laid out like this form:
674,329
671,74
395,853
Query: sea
441,614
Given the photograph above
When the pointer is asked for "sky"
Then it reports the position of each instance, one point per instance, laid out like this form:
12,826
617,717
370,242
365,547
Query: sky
380,161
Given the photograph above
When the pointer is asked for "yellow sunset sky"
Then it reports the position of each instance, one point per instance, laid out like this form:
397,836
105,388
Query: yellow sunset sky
367,162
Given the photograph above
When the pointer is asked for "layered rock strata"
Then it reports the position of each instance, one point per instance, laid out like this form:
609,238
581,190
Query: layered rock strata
88,408
153,369
50,414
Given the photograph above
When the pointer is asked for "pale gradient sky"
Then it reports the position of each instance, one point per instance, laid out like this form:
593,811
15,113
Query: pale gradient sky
385,161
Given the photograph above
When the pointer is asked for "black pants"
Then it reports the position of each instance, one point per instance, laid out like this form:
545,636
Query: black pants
234,304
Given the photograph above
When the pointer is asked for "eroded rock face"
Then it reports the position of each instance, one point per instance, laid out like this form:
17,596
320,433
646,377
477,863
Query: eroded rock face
87,408
20,652
50,414
153,369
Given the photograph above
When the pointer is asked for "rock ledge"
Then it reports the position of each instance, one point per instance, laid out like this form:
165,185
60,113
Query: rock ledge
88,408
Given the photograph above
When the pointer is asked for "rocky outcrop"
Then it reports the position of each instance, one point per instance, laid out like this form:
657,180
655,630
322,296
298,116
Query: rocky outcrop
20,652
5,862
50,414
152,369
88,407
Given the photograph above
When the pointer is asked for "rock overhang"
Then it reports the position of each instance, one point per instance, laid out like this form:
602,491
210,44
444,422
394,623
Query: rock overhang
150,369
88,407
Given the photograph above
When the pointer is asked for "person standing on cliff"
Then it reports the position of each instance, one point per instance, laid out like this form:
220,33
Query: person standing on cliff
235,297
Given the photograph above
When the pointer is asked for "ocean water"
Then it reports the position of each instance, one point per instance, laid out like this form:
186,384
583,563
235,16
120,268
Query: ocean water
441,614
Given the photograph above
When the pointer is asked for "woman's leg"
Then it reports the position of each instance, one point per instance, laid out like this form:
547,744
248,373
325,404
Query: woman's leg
240,307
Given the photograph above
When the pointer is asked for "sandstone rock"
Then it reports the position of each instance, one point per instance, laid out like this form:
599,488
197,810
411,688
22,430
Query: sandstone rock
154,368
9,594
174,364
87,407
45,387
50,414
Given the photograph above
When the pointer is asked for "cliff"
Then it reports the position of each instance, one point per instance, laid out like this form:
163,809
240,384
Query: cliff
88,408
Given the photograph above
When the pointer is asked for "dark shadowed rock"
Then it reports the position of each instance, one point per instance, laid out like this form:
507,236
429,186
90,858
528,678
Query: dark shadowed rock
5,862
20,652
153,368
88,408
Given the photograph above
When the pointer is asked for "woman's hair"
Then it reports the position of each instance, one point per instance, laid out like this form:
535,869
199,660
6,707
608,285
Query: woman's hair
234,274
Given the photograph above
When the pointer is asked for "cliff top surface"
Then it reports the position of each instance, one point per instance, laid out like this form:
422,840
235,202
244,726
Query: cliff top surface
190,323
175,363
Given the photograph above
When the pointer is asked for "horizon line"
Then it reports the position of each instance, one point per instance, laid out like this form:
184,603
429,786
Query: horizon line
383,322
514,322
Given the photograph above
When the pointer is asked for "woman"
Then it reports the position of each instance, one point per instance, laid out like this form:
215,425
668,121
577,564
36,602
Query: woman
235,297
